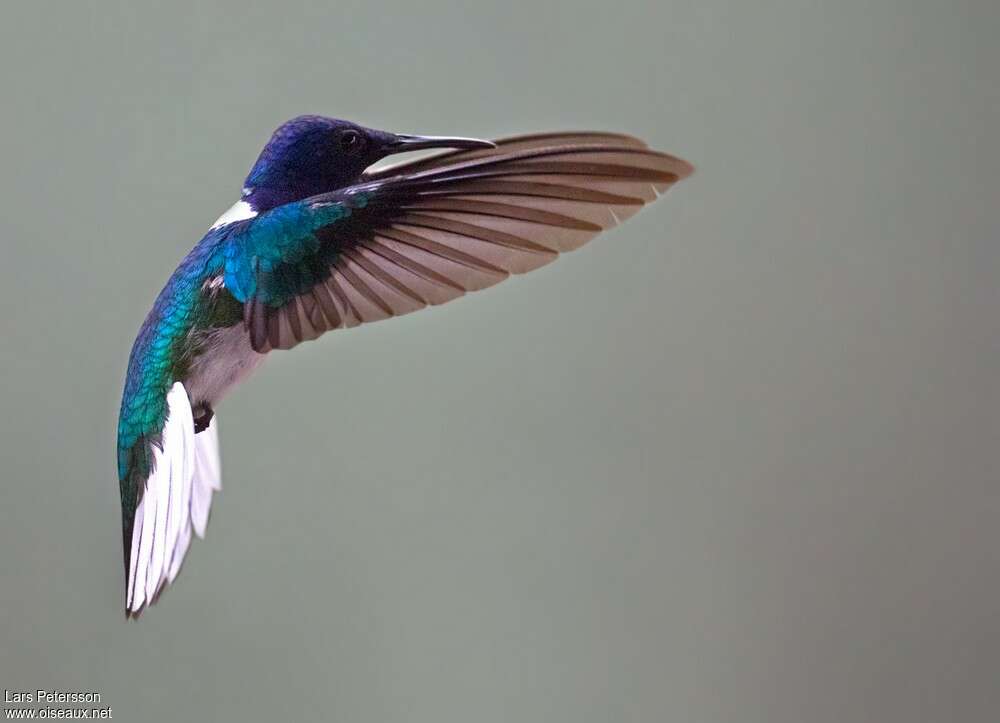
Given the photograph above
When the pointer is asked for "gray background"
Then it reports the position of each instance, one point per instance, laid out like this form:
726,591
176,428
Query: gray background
733,462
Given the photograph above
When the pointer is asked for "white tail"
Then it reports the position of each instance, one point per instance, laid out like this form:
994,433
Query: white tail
176,500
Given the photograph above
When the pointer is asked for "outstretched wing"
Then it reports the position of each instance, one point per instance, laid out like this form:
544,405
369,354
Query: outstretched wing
426,232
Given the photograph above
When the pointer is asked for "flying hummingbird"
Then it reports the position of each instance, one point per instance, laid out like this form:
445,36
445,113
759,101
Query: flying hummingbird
317,242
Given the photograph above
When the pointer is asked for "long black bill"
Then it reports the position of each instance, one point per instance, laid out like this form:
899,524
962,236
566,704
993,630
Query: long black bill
403,143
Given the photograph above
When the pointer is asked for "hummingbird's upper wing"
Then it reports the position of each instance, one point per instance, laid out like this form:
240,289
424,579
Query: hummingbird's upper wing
425,232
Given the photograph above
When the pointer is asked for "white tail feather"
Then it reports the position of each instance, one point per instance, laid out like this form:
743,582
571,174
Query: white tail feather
207,478
176,501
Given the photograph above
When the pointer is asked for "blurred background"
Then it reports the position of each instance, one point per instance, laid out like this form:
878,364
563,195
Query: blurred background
734,462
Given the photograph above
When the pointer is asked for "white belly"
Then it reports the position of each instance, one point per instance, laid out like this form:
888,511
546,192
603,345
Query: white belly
226,360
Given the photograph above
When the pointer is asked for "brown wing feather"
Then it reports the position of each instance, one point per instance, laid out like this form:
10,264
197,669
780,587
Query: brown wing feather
438,227
512,144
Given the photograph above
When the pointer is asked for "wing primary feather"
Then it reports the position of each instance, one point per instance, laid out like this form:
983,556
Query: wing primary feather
292,314
503,210
408,264
487,186
327,305
273,329
467,229
585,168
341,296
513,144
542,158
386,278
446,252
312,314
257,324
362,288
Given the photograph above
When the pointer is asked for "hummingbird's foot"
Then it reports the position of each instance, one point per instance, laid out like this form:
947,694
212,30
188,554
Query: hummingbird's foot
201,422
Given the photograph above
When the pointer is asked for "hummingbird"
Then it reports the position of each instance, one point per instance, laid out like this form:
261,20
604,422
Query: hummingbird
321,240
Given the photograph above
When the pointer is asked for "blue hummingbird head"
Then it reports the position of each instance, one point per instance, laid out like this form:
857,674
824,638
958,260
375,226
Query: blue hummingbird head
314,154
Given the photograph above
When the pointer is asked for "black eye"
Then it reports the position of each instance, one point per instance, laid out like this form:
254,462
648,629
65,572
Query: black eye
351,141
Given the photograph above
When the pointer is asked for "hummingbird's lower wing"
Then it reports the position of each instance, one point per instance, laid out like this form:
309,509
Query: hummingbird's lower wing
426,232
